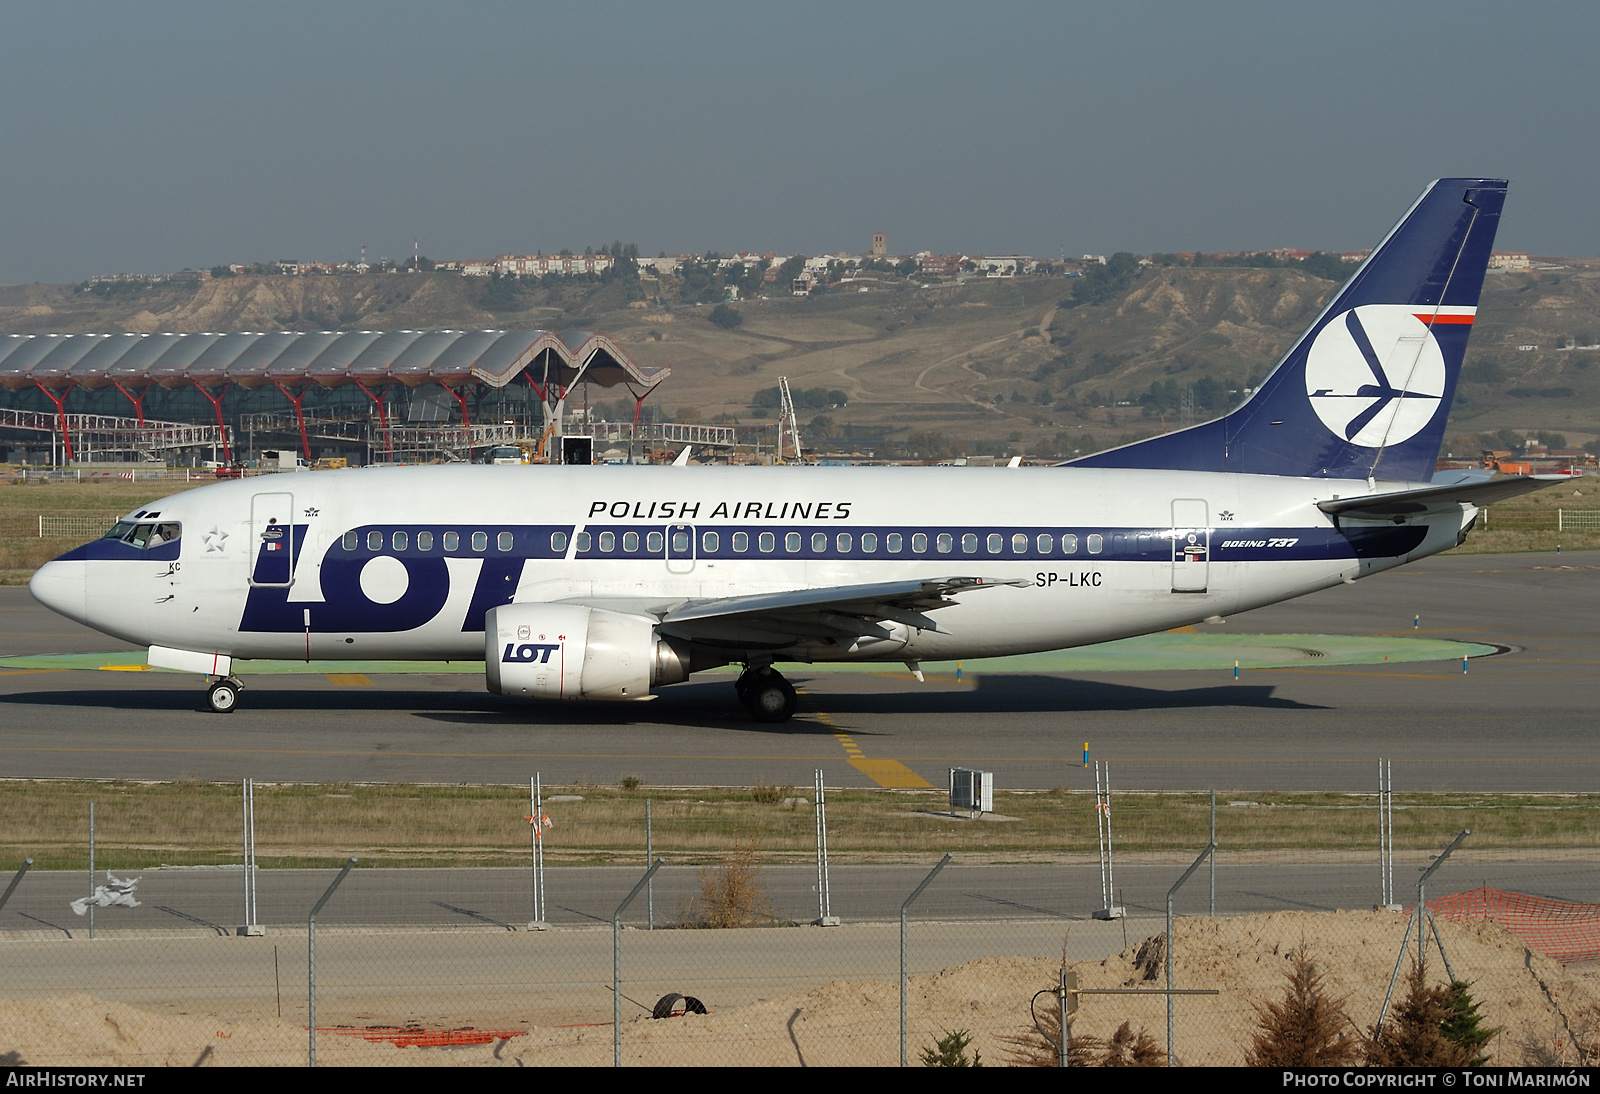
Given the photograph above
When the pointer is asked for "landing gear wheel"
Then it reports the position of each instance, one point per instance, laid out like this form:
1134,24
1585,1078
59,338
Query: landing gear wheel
770,698
224,696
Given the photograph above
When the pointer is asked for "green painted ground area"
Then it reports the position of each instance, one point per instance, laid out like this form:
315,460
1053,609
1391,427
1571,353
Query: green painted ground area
1175,650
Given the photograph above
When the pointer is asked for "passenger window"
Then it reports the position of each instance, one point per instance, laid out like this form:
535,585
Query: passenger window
791,542
654,542
1019,543
503,541
608,542
741,542
424,541
351,541
374,541
1096,543
480,541
401,541
969,543
919,543
583,543
1044,543
844,542
558,542
630,541
710,542
895,543
869,542
819,542
452,541
768,541
680,542
1069,544
945,542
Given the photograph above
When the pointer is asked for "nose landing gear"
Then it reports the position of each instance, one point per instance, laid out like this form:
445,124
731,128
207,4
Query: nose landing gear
766,694
223,695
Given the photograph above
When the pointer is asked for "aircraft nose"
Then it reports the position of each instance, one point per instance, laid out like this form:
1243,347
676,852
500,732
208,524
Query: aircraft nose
59,586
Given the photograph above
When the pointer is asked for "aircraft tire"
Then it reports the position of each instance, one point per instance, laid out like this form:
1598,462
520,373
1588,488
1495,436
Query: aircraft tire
771,699
223,697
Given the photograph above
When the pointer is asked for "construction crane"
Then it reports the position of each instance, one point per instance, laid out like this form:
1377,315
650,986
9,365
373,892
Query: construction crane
786,421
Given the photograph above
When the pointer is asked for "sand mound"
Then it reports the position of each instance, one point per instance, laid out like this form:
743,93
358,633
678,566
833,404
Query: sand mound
1548,1013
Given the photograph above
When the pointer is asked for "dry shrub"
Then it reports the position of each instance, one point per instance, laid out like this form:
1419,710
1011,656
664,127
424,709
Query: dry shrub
731,894
1413,1035
770,795
1574,1038
1307,1029
1126,1047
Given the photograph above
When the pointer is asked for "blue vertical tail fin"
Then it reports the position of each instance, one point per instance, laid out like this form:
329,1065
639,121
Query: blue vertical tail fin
1366,390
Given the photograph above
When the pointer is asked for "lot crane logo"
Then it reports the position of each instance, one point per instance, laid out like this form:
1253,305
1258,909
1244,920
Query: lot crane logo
1375,375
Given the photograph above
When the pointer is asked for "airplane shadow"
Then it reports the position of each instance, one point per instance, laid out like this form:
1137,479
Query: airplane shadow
709,704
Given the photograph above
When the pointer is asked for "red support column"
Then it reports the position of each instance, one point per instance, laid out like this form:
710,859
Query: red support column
61,414
138,404
383,420
216,401
299,417
466,423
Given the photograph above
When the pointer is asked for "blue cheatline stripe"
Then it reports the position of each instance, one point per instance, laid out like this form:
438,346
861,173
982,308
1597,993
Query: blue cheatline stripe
874,543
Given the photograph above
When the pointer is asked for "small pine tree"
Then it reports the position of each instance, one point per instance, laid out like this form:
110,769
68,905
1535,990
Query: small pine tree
1464,1025
1414,1035
1307,1028
951,1051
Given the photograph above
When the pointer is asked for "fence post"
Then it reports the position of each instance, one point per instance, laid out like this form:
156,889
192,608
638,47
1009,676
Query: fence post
825,916
1421,917
536,839
616,962
311,957
903,907
91,869
1207,853
16,879
649,857
251,928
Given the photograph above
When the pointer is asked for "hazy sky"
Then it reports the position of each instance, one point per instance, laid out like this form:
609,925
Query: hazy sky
148,137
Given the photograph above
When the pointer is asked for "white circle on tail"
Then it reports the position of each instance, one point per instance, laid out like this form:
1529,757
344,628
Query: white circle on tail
384,579
1375,375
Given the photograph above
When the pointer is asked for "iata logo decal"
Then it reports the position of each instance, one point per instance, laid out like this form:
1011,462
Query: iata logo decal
1375,375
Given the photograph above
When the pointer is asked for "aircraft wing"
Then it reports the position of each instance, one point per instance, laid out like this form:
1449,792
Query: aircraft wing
1436,499
783,618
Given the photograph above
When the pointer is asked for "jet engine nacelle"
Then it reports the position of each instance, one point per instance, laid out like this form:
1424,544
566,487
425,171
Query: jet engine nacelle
567,651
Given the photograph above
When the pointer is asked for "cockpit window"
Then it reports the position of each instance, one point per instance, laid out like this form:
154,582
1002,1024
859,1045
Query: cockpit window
146,534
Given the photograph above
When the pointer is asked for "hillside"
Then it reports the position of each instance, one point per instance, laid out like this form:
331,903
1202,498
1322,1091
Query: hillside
984,366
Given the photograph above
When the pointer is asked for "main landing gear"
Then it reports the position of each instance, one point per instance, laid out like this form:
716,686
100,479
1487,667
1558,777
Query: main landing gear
766,694
223,695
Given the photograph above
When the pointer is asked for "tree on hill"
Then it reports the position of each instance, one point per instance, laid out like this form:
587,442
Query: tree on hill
725,317
1100,283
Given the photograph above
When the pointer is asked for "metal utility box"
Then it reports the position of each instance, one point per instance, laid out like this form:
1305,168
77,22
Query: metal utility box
971,790
577,450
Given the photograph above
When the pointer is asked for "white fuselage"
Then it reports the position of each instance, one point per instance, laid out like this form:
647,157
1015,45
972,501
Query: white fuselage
402,563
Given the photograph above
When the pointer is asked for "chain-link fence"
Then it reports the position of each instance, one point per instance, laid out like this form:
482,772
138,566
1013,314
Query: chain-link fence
716,959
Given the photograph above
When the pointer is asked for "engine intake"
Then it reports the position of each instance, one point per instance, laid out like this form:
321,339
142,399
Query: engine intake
567,651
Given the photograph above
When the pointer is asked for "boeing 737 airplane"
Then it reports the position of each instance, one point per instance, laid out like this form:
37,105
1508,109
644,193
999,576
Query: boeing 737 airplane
607,582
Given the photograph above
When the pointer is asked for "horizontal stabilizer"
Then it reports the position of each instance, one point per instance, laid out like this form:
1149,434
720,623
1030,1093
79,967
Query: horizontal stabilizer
1404,503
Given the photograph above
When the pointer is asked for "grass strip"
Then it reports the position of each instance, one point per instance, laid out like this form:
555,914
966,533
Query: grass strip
186,823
